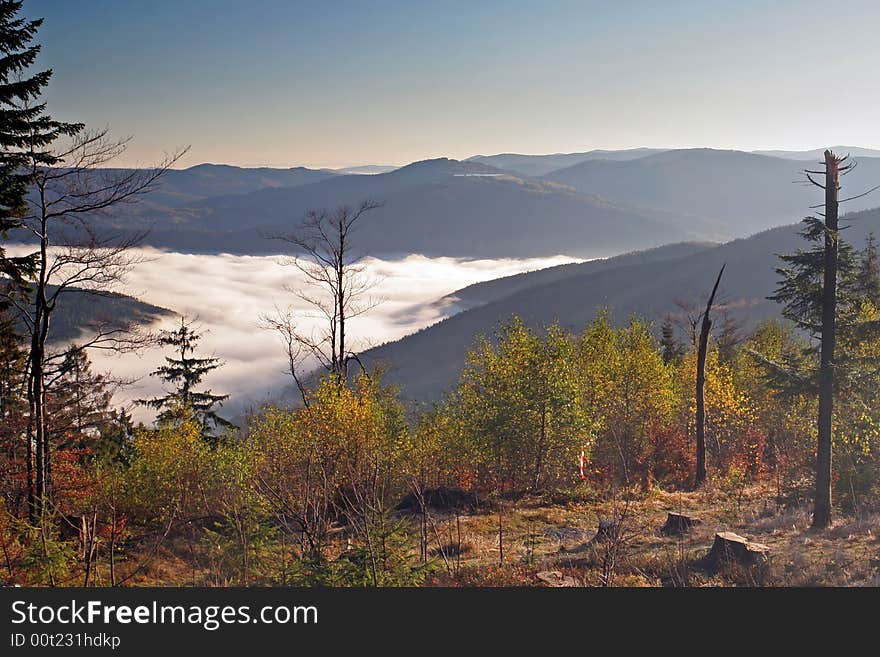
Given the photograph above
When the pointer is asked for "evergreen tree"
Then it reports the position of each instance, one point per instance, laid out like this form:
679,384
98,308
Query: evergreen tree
117,440
820,294
25,129
800,290
12,361
672,348
27,134
79,402
728,338
868,281
13,418
185,372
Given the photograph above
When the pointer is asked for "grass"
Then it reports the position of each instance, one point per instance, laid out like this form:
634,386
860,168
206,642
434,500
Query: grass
540,535
846,554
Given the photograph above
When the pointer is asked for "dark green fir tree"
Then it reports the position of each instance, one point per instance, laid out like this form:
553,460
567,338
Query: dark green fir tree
868,282
672,348
26,131
185,372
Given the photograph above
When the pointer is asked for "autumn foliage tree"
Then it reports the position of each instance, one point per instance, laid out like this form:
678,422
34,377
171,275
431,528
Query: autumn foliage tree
628,389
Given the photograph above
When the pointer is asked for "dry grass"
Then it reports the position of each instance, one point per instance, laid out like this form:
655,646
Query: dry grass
847,554
539,536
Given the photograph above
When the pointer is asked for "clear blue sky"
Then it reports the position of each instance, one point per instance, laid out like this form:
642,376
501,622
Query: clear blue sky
326,83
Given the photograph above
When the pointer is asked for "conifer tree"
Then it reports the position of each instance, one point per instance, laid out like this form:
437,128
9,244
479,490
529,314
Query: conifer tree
27,133
819,290
672,349
868,281
79,404
12,360
185,372
728,337
25,129
13,463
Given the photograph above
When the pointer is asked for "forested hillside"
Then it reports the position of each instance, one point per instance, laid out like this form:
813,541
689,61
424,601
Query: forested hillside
646,285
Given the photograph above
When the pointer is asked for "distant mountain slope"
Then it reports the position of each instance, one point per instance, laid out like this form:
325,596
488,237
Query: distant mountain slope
743,191
435,207
428,362
78,310
498,288
179,187
539,165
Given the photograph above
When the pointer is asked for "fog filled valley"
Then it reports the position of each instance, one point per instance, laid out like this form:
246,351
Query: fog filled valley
226,296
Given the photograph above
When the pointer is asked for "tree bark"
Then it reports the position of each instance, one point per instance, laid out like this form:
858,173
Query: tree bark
539,461
822,504
36,391
700,476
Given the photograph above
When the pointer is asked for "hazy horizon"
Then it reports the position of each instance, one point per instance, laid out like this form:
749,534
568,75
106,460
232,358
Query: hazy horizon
504,152
282,84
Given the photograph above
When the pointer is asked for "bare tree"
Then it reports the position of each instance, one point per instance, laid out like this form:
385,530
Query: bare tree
705,327
74,253
689,319
337,288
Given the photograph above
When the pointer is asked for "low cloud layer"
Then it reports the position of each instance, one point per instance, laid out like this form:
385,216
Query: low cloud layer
229,293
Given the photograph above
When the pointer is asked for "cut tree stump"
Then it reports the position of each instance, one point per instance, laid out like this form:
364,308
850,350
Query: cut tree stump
606,532
556,578
678,523
730,547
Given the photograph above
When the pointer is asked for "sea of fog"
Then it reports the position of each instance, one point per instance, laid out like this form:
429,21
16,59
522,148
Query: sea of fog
228,294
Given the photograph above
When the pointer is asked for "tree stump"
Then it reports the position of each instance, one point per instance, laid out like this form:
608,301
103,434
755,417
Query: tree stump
678,523
730,547
556,578
607,531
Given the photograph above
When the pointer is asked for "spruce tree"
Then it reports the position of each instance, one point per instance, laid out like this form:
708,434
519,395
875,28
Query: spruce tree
13,417
26,131
800,289
12,363
186,371
728,337
672,349
868,281
820,293
78,402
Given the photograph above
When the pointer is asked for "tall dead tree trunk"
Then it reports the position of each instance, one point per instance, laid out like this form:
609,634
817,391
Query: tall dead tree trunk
700,476
822,504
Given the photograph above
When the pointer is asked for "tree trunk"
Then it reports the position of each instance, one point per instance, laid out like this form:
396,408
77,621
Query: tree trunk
539,461
700,476
36,383
342,372
822,505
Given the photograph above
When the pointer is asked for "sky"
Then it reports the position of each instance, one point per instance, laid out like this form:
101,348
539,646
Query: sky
338,83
